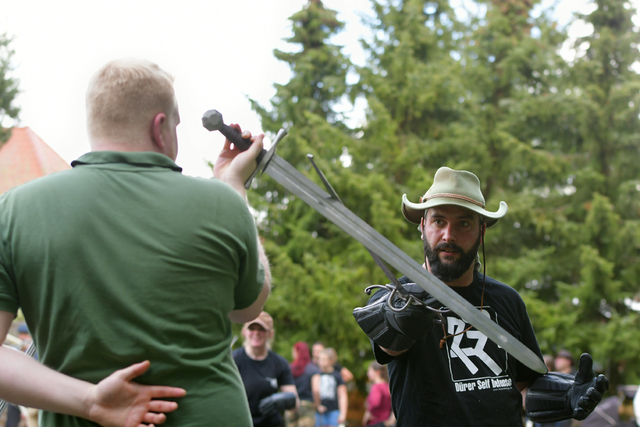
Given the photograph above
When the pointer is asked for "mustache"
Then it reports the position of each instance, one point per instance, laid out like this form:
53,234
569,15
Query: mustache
449,247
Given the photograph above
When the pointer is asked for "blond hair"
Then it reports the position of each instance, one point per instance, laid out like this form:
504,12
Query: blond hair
331,354
124,96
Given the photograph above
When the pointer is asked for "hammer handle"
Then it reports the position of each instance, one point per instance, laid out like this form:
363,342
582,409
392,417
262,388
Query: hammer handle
243,144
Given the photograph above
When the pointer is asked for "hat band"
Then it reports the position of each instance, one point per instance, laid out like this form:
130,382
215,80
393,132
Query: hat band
454,196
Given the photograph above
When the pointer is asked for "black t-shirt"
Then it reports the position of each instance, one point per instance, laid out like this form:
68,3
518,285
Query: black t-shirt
470,381
261,379
303,382
329,382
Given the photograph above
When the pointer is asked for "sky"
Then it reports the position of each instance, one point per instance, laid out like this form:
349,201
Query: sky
220,52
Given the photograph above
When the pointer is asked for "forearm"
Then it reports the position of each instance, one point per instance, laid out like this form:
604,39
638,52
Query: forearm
315,390
391,420
26,382
316,400
365,417
343,401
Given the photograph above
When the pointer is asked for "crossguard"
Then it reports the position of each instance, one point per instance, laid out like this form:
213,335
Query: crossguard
264,160
409,300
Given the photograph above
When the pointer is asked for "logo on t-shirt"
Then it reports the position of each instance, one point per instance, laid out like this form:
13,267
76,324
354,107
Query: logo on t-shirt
475,362
272,381
328,386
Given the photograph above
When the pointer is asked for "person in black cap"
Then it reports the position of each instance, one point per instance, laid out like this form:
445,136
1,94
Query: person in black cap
266,375
451,374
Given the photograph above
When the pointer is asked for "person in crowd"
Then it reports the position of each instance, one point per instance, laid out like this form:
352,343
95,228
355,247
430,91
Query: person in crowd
25,337
330,396
302,369
266,375
317,348
450,374
378,411
129,273
13,416
564,362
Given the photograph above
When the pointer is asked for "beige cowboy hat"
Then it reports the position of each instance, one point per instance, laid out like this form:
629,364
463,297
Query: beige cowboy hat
452,187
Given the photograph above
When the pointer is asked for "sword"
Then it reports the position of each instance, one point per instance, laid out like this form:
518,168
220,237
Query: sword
332,209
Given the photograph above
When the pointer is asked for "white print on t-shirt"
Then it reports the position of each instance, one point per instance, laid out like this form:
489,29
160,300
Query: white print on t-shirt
456,326
328,387
475,362
495,384
272,381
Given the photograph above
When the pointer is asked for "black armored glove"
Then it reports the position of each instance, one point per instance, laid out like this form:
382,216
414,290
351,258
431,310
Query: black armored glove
392,330
277,402
556,396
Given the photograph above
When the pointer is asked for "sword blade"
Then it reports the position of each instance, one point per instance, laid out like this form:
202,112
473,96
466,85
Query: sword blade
298,184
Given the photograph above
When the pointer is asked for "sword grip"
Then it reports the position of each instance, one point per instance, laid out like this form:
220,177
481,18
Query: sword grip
243,144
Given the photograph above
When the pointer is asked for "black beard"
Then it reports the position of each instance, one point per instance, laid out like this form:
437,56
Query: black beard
450,272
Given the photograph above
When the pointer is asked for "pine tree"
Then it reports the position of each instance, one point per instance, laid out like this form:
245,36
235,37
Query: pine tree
8,88
603,223
568,244
412,86
319,271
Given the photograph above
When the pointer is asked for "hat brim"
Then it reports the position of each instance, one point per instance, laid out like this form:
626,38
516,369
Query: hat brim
259,322
414,212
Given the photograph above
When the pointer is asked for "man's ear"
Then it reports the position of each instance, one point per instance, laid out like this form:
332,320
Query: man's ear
421,228
156,130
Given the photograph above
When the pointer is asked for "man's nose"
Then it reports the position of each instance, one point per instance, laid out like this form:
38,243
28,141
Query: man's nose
448,234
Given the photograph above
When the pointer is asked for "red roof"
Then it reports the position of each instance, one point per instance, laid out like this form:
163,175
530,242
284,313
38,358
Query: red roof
25,157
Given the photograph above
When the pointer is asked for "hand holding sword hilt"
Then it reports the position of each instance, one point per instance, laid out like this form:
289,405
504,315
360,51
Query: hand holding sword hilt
409,299
395,321
212,120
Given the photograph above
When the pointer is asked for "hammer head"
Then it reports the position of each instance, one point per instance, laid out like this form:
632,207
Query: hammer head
212,120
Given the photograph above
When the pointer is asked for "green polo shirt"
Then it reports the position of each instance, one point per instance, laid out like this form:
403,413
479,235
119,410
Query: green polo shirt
122,259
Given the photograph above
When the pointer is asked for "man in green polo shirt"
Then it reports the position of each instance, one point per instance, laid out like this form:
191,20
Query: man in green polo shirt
123,259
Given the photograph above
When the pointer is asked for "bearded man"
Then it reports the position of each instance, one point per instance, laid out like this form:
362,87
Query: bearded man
444,372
